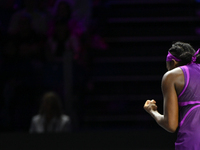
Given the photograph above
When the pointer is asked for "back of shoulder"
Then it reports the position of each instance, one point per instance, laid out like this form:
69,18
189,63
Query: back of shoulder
173,74
173,79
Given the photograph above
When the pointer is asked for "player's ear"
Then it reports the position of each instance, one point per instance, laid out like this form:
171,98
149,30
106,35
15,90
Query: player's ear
174,63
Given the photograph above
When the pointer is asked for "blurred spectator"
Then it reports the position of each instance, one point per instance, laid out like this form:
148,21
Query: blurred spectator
69,34
38,20
25,44
64,34
50,117
57,44
62,13
53,4
82,12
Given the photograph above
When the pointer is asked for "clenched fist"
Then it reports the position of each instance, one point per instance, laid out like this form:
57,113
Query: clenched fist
150,105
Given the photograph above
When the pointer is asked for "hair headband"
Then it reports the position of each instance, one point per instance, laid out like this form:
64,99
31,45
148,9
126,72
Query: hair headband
194,56
170,57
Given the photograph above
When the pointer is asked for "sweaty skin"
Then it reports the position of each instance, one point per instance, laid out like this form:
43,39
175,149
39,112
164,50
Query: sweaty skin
172,85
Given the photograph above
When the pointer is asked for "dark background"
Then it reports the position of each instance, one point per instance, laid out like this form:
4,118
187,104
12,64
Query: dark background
124,47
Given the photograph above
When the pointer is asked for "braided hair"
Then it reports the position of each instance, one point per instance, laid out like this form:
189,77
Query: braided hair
184,52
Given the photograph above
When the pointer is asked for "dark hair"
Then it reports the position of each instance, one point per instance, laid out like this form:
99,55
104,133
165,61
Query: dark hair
184,52
52,101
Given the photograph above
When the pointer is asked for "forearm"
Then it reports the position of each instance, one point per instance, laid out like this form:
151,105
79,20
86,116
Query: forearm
168,120
162,121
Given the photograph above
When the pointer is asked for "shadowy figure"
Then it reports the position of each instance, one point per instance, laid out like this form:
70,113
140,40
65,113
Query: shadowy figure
25,43
38,20
50,117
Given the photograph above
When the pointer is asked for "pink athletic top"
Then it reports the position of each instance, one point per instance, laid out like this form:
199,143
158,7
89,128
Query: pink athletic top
188,137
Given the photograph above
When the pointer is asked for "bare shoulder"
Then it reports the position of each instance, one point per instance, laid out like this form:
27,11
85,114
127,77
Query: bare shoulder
173,74
174,78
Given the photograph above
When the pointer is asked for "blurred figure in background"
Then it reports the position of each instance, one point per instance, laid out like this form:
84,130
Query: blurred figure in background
50,117
25,43
59,33
38,20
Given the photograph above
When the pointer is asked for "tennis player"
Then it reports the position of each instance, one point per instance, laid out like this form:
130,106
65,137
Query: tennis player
181,95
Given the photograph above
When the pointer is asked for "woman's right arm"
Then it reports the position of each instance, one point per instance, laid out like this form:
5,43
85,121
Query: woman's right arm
169,119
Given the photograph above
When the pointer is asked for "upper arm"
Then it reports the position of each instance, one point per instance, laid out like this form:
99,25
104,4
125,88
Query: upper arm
170,110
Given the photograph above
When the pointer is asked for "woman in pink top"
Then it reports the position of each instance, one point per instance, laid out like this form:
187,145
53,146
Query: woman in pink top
181,95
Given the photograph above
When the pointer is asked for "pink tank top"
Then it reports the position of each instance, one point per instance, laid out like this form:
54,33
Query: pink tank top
188,137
